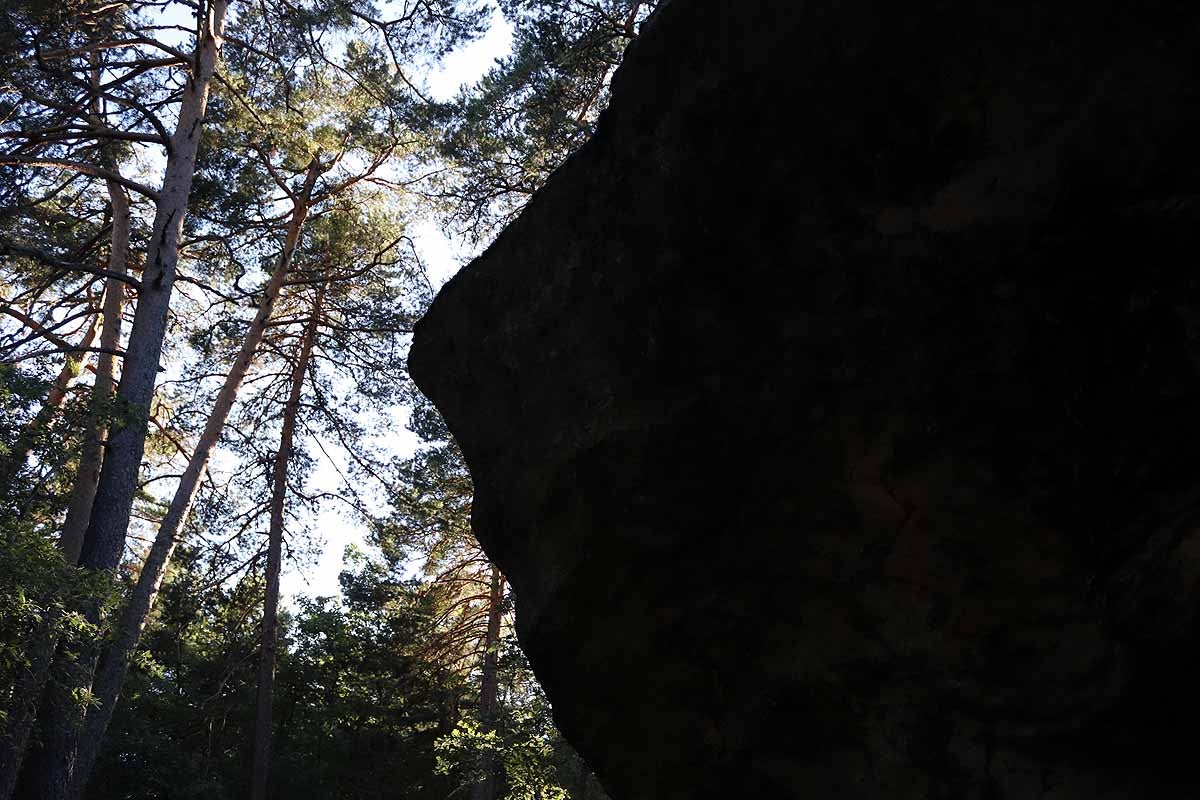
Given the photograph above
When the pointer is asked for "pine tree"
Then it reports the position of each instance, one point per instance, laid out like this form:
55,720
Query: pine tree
508,133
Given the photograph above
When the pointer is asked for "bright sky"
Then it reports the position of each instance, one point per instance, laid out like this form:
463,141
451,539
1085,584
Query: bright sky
442,258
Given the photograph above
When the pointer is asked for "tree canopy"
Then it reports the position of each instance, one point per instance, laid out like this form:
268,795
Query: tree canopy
211,261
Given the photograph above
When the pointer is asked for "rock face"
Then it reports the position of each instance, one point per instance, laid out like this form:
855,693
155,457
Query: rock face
835,412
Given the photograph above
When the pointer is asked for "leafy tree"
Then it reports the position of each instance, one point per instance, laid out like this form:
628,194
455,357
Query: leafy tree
505,135
241,192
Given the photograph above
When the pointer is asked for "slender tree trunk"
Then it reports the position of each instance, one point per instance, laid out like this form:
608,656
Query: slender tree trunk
485,788
270,630
110,674
104,539
83,491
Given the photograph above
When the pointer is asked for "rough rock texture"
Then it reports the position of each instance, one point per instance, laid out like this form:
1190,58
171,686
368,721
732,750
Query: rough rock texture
835,413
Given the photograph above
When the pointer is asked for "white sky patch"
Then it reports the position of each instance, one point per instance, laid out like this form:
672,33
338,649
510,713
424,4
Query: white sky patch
178,23
335,526
441,255
467,64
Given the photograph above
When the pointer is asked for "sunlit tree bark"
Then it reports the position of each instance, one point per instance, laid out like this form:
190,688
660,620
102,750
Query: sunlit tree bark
270,629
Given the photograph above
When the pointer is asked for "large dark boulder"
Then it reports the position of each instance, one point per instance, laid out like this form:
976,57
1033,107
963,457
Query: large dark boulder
835,412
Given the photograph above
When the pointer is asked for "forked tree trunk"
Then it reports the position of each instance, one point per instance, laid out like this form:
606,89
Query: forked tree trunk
114,664
104,540
83,491
127,440
489,685
270,630
91,458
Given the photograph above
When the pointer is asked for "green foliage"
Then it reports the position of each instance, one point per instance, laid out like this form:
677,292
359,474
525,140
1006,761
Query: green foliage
40,596
524,748
430,525
19,396
30,573
186,711
362,710
534,108
357,715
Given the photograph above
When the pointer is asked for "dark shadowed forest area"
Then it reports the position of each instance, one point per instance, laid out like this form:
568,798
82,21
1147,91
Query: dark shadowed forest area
218,223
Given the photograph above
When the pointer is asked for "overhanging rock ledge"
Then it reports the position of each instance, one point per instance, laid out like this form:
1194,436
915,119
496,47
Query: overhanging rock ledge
835,412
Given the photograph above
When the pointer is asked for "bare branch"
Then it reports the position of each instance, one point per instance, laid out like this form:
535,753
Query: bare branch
81,167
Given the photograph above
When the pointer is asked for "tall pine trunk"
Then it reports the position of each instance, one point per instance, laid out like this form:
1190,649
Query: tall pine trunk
104,539
270,629
489,685
114,664
83,491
